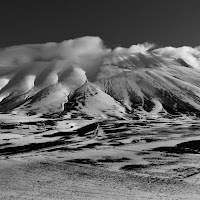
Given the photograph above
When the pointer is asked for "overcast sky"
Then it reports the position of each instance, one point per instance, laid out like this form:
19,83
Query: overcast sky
166,23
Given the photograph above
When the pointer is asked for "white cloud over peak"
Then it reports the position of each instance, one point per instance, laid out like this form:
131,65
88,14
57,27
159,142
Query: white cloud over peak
189,54
139,48
67,50
142,48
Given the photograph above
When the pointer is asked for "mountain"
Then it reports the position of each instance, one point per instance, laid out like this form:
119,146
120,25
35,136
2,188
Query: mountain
83,79
146,81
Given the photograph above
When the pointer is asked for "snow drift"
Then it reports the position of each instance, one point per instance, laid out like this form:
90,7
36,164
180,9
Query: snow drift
84,78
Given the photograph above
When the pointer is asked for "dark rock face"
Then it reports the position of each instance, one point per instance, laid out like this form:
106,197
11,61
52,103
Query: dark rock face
185,147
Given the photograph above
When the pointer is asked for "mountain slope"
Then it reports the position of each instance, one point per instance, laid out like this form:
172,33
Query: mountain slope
92,101
174,86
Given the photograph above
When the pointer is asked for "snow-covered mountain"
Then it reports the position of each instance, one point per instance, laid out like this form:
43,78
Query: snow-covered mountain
83,78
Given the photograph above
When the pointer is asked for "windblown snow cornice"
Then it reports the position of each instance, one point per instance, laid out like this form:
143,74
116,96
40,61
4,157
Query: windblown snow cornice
83,76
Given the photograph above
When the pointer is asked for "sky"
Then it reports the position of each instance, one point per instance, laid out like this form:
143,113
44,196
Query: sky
117,23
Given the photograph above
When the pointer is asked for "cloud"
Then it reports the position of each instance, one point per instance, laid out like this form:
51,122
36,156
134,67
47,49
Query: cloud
189,54
139,48
73,50
142,48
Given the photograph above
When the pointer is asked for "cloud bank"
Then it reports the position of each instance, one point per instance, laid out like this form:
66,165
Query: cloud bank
189,54
139,48
73,50
86,52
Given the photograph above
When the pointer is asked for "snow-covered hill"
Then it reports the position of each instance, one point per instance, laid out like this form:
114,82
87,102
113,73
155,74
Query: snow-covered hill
83,78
